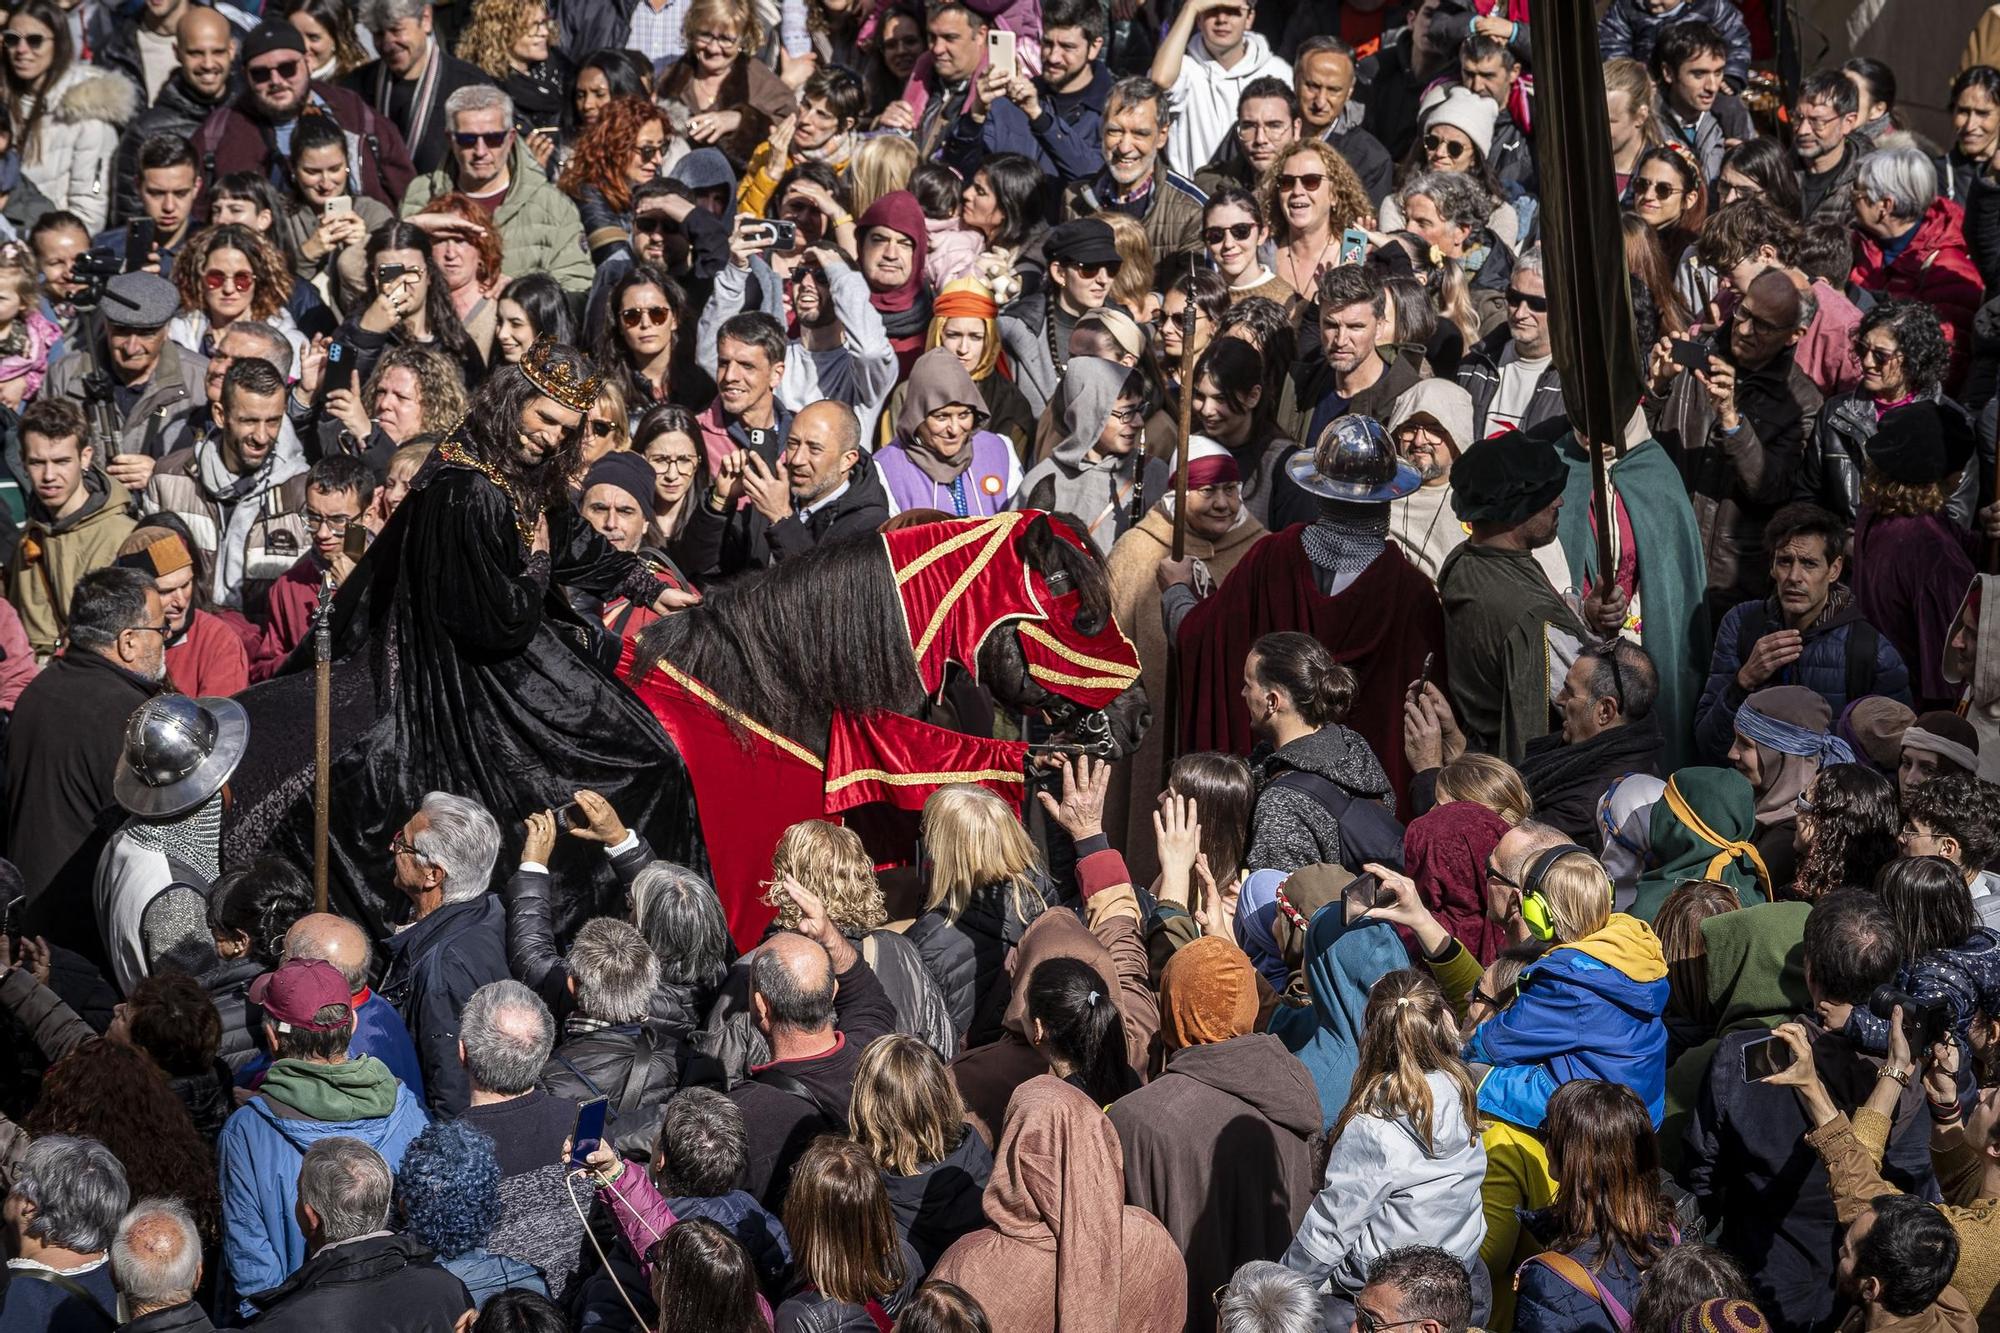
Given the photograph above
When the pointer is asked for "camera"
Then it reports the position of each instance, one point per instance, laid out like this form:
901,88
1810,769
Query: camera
1925,1022
387,274
93,269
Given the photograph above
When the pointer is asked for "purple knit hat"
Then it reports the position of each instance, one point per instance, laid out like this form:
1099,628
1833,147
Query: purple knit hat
1723,1315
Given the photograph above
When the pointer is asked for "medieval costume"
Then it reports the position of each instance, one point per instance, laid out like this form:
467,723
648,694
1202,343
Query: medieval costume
1135,604
1656,549
461,667
1422,522
1792,729
1701,829
905,308
974,482
1445,853
1511,637
1105,490
1342,963
1339,579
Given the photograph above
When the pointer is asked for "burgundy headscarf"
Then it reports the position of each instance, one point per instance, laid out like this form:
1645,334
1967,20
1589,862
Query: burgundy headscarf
1445,853
905,311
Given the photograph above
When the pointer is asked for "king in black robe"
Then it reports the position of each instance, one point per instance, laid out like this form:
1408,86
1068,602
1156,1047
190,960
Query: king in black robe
460,666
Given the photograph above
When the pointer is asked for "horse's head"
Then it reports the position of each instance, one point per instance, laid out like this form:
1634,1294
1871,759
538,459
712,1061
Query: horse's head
1062,682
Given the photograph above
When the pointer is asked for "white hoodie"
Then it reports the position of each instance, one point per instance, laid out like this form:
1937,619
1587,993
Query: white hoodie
1202,102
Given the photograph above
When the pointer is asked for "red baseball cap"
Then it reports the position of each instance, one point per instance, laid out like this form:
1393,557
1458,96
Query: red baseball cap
298,990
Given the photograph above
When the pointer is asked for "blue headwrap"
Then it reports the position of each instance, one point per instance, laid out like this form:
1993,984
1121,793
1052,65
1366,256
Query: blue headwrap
1824,747
1256,915
1342,963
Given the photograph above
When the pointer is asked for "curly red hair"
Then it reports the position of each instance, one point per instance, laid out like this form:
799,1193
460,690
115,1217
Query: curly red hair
487,242
600,154
272,289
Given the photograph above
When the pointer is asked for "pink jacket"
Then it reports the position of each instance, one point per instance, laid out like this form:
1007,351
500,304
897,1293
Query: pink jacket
17,667
1023,18
954,248
643,1218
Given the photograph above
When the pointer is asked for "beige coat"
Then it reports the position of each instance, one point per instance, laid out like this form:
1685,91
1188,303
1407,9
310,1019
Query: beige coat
1135,600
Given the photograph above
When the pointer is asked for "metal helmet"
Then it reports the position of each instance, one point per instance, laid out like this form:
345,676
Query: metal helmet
1355,460
178,753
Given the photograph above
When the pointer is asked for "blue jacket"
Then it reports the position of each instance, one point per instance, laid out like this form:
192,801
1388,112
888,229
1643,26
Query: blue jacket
1628,30
486,1275
434,966
378,1031
1587,1010
260,1149
1066,142
755,1228
1546,1302
1821,668
1342,963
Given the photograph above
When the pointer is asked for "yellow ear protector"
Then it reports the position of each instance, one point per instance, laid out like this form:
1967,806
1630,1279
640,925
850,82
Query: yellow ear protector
1535,909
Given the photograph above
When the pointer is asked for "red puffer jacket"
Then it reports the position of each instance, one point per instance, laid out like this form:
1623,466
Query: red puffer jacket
1934,268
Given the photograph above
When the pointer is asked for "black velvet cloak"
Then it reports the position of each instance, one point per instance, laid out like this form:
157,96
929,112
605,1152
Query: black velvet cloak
456,670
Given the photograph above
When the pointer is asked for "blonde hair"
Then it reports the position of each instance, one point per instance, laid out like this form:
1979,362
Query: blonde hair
489,35
1408,1031
829,860
879,165
1135,273
906,1110
1487,781
708,15
1578,893
1631,78
611,396
1347,200
975,841
415,455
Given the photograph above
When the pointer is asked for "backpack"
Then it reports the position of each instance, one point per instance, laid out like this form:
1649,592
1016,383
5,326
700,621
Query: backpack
1864,642
1574,1273
1367,831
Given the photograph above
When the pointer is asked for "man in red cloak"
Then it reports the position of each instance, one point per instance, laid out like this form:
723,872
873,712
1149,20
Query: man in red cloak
1339,579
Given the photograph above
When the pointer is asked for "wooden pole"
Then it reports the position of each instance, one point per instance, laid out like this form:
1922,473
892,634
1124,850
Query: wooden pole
1186,421
1607,512
322,735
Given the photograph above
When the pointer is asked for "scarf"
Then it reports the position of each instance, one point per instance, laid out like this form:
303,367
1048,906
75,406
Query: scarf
193,840
1444,854
1931,743
420,102
235,500
1703,832
905,310
1789,724
938,380
1256,920
1346,537
1208,994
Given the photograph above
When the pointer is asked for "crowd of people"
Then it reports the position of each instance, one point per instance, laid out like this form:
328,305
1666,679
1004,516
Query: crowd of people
1557,889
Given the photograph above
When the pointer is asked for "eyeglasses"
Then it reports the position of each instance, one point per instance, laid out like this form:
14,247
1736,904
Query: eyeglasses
542,24
491,138
1437,143
602,428
1877,355
333,523
215,279
1731,192
284,71
1099,270
34,41
672,464
1660,190
1368,1323
401,846
1309,182
1500,1001
720,41
1538,304
1128,415
1242,231
655,315
1743,314
1493,873
161,630
649,152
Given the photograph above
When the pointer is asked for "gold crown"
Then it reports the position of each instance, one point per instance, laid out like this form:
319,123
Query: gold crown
556,376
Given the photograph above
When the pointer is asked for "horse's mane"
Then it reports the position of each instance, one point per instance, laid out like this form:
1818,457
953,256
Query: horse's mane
790,644
1077,565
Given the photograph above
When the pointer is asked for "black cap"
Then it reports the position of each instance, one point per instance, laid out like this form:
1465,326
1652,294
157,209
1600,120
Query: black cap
1506,479
1084,241
1920,443
272,35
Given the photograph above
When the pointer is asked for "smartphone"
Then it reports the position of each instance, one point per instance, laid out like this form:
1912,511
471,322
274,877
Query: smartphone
784,237
589,1131
1430,660
340,203
354,544
572,816
1353,245
339,367
11,917
1765,1057
1000,51
1691,355
1362,894
388,275
139,244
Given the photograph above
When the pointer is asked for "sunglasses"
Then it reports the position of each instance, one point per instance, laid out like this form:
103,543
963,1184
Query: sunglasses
1538,304
1099,270
1451,148
1311,181
1242,231
34,41
1876,355
1660,190
649,152
215,280
602,428
283,71
654,315
491,138
653,222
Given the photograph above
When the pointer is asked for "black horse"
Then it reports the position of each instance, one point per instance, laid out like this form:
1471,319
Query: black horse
790,645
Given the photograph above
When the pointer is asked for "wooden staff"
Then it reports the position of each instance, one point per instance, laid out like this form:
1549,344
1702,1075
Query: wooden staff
322,734
1186,411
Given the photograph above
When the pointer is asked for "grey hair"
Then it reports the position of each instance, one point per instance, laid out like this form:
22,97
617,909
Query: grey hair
614,970
1133,90
1903,176
78,1188
795,1004
478,97
1530,260
683,920
162,1268
502,1053
1264,1297
277,347
463,840
348,1184
376,15
1460,199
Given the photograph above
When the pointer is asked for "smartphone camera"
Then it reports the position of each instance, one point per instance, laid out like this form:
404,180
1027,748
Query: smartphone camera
1765,1057
784,236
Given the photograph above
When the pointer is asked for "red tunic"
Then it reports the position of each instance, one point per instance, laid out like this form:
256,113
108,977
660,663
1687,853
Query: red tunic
1382,626
209,659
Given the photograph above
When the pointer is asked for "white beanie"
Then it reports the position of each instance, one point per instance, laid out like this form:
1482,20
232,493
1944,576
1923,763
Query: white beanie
1465,111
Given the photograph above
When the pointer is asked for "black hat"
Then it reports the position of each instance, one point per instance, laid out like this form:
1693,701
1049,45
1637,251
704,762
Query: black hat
1920,443
629,472
272,35
1084,241
1506,479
